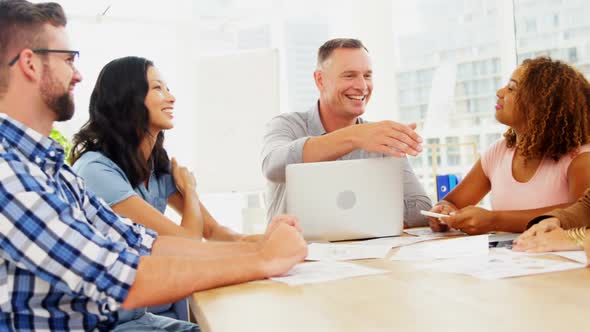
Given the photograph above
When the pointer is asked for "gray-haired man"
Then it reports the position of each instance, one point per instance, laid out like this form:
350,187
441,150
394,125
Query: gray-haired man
333,128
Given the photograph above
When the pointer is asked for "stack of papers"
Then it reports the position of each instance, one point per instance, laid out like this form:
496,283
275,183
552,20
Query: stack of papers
315,272
345,251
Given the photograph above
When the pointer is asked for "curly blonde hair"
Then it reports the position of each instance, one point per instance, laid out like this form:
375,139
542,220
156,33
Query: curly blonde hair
555,101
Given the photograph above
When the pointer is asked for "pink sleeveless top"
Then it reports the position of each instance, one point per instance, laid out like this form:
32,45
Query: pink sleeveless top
548,186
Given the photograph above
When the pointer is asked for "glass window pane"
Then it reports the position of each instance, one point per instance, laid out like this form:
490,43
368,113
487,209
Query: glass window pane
563,31
450,63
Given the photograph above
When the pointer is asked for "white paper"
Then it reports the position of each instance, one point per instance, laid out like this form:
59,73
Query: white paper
500,263
345,251
316,272
394,242
451,248
522,266
432,235
460,265
578,256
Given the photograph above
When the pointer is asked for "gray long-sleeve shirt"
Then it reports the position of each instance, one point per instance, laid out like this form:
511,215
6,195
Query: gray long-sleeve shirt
283,145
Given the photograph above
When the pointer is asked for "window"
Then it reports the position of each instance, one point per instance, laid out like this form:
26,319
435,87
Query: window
572,55
453,151
530,25
433,150
436,61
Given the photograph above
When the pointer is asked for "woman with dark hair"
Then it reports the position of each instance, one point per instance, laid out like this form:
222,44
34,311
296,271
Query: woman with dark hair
130,108
542,161
120,154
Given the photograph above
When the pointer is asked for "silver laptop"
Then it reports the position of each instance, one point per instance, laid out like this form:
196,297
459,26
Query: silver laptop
347,199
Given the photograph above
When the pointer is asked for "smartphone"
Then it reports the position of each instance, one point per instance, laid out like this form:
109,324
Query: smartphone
433,214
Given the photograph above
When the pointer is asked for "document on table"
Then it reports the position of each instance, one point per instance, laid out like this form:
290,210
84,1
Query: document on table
451,248
578,256
316,272
501,263
506,266
394,242
427,232
345,251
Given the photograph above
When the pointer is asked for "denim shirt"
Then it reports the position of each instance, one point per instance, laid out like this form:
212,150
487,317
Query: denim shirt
108,181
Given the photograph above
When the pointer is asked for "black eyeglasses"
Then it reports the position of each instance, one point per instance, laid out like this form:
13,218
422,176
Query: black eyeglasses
45,51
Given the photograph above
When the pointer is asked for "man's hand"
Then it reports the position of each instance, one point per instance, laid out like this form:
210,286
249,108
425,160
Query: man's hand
471,220
282,249
275,222
387,137
282,219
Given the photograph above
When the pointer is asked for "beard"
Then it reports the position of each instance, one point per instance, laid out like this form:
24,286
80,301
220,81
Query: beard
58,101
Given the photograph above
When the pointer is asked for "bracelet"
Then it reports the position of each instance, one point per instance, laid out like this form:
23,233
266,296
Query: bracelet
577,235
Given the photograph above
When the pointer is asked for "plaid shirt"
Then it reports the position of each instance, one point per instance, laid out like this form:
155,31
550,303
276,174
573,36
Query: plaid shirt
67,261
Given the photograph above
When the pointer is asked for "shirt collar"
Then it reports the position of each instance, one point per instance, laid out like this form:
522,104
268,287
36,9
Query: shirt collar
314,121
316,128
33,145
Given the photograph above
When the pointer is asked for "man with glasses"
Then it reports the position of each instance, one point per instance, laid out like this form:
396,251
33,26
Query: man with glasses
67,262
70,60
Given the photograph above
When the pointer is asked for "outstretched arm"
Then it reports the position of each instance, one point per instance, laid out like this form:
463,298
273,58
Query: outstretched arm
283,146
474,220
469,191
177,268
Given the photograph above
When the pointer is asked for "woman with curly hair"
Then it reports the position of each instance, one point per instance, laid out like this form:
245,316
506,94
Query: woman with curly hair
541,163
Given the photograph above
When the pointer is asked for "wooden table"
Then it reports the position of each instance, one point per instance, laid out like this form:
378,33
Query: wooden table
407,299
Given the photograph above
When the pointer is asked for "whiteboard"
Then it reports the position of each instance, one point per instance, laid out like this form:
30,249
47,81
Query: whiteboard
236,95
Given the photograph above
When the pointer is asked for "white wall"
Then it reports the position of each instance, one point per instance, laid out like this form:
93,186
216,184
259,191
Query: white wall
170,45
225,158
236,95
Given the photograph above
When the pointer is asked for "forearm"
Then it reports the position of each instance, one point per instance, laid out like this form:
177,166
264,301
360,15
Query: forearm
459,200
177,246
278,154
575,215
471,190
222,233
213,231
329,146
192,218
446,202
517,221
165,279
